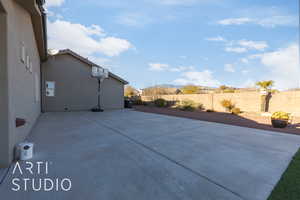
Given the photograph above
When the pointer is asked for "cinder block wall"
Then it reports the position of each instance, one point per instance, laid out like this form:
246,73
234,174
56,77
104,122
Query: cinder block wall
286,101
248,101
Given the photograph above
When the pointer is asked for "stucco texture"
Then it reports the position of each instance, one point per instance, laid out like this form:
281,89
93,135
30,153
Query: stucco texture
19,84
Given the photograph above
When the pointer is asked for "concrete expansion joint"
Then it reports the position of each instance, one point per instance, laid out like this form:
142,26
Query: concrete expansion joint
5,174
117,131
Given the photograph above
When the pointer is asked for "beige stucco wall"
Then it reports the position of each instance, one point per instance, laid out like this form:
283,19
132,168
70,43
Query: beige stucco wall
248,101
4,142
20,82
75,89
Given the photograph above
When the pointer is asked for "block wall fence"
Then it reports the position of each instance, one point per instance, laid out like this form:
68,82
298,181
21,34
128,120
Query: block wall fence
248,101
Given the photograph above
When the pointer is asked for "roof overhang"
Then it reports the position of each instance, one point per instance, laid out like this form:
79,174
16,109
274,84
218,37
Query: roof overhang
38,16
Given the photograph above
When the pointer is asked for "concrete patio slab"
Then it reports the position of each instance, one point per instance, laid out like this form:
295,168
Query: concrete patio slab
3,172
133,155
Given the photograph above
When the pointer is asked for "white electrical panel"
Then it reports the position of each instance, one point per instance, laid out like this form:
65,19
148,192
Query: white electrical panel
50,88
23,53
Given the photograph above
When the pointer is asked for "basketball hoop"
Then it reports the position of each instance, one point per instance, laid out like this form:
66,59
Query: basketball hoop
101,74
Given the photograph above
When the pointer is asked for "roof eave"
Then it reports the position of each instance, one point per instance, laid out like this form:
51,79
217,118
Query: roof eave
38,17
85,60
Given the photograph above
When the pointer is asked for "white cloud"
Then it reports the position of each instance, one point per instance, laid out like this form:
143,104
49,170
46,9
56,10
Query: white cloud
216,39
158,67
179,2
166,67
284,67
133,19
235,21
257,45
244,60
236,49
249,83
271,21
86,40
204,78
240,46
53,3
182,68
245,72
99,60
112,46
279,21
254,56
229,68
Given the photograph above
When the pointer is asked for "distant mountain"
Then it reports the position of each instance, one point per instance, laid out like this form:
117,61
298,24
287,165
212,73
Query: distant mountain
168,86
179,86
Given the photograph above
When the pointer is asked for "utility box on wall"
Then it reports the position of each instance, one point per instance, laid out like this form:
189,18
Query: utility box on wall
50,88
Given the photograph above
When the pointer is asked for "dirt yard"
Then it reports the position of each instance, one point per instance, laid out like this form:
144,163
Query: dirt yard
250,120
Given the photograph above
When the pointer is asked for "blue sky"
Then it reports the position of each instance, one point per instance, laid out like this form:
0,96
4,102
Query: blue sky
202,42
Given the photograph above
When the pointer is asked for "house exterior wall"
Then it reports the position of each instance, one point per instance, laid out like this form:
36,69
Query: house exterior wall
19,84
75,89
4,142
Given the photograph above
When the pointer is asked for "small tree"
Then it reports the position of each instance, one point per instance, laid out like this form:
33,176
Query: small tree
190,89
264,85
130,91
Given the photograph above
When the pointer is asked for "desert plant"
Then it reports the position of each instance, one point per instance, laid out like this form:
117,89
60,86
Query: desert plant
200,106
227,104
130,91
190,89
265,87
188,105
265,84
236,111
280,119
160,102
281,115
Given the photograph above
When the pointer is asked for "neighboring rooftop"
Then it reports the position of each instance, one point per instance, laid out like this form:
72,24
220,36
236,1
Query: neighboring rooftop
87,61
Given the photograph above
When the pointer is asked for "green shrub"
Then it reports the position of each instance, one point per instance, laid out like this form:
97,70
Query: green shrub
236,111
227,104
160,103
188,105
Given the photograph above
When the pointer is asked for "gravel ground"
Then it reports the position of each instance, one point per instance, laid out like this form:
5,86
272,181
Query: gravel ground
250,120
